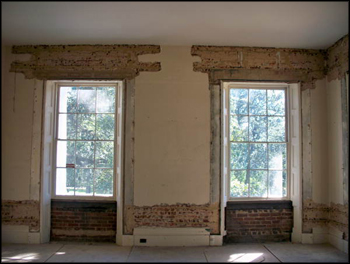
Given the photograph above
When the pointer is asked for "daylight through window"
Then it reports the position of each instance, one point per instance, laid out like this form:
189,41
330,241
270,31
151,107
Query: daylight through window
85,141
258,143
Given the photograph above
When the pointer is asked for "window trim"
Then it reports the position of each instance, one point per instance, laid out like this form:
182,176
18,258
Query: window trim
118,84
227,85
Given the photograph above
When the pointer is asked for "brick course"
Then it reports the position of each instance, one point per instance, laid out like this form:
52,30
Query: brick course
83,221
267,223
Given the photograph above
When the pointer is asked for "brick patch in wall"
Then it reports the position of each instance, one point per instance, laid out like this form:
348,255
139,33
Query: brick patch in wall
21,213
88,221
171,216
263,221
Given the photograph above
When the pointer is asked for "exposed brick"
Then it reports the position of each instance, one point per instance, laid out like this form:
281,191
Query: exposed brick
259,225
83,221
53,62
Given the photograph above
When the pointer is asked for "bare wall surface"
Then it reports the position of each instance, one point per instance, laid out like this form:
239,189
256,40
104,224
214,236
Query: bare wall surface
17,95
335,159
172,132
319,146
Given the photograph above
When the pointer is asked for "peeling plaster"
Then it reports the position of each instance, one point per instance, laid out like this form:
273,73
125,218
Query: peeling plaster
247,63
322,215
51,62
338,59
21,213
173,216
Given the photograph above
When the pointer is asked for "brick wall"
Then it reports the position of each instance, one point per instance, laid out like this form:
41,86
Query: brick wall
170,216
259,221
88,221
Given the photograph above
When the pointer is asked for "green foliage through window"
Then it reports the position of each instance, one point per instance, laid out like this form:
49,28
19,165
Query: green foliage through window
85,144
258,148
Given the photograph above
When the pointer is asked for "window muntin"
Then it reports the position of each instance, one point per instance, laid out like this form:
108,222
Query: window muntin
85,142
258,147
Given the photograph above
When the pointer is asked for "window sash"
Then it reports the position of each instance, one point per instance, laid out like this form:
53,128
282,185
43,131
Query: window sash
261,86
94,196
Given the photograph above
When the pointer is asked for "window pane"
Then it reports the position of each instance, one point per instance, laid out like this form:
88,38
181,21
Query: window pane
275,183
257,128
258,183
65,153
277,156
258,156
239,156
276,102
68,100
239,128
277,129
239,101
85,154
84,182
104,182
239,184
257,102
105,100
86,126
86,100
104,154
284,183
67,126
65,181
105,126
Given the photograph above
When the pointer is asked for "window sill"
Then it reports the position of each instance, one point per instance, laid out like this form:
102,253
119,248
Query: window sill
70,200
262,204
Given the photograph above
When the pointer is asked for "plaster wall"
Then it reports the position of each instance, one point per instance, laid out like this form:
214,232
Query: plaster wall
335,159
16,126
172,132
319,146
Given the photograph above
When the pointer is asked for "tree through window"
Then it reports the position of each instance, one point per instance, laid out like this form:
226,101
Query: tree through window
85,140
258,142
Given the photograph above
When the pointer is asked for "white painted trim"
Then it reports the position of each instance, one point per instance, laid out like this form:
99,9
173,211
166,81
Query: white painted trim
154,236
225,177
34,238
295,149
126,240
119,183
307,239
19,234
325,235
14,234
216,240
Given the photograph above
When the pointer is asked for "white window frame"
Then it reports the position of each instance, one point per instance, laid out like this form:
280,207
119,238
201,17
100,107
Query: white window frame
117,139
226,86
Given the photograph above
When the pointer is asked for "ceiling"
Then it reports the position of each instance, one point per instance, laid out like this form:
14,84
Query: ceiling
314,25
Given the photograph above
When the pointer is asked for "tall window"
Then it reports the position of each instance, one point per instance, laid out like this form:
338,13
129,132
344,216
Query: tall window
258,145
86,140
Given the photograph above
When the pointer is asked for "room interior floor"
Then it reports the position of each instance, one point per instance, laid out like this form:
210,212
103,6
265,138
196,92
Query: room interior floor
103,252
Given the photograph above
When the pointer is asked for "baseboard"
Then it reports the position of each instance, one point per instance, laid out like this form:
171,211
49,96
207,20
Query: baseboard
332,236
335,238
307,239
18,234
215,240
156,237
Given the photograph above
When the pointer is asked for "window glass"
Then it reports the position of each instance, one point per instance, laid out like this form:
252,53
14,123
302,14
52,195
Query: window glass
258,147
85,141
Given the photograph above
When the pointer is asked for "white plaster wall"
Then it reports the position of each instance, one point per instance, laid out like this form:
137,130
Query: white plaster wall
172,131
16,128
335,161
319,147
